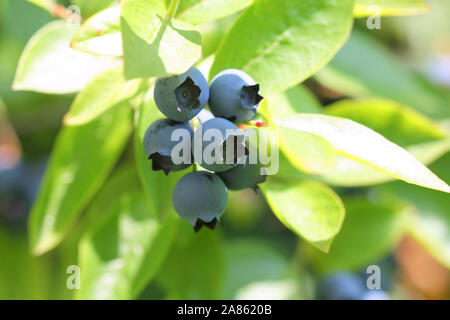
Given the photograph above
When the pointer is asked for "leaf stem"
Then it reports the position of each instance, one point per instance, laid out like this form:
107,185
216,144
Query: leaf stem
173,6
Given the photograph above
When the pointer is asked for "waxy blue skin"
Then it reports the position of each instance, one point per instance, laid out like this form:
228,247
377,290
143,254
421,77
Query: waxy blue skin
233,95
158,145
342,286
200,198
19,187
222,125
243,176
182,97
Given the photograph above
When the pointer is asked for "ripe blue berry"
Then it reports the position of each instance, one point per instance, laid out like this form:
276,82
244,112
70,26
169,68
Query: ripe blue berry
182,97
158,144
243,176
228,131
341,286
200,198
234,96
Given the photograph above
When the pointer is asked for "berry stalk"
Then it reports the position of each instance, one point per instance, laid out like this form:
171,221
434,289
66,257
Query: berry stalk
173,6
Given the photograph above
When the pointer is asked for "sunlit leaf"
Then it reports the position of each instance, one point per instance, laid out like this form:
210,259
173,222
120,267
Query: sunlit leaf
363,8
89,7
123,254
307,152
351,173
422,138
49,65
100,34
107,90
360,143
310,209
396,122
123,180
281,43
153,45
45,4
201,11
81,160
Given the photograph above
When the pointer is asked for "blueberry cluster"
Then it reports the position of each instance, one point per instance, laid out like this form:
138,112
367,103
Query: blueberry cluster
200,197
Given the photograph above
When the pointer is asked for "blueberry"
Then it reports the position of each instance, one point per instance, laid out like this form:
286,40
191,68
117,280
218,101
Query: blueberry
182,97
234,95
158,145
200,198
228,131
341,286
243,176
18,189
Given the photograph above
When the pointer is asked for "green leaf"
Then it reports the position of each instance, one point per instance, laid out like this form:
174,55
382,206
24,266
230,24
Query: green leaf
360,143
310,209
350,173
157,185
307,152
105,91
79,164
370,231
118,258
194,268
201,11
256,269
45,4
361,52
214,32
89,7
22,276
281,43
396,122
149,36
297,99
49,65
100,34
391,7
287,172
123,180
422,138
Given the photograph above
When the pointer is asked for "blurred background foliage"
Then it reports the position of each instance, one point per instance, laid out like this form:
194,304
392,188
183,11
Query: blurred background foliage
405,229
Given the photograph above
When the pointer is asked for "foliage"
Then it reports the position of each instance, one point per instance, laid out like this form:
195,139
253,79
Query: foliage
104,197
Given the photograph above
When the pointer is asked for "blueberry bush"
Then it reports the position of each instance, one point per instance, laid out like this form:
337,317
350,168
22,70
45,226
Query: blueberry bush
363,148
